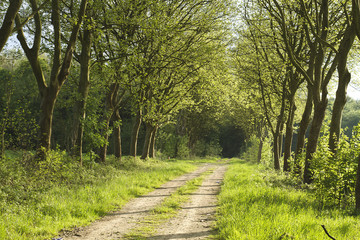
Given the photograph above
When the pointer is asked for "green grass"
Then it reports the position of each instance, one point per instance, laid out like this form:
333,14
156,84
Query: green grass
167,209
34,208
255,204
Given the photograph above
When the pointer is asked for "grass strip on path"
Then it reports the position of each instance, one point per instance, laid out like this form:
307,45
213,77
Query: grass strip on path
104,188
167,209
255,204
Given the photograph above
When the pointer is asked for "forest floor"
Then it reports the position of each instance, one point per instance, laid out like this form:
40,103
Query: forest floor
138,219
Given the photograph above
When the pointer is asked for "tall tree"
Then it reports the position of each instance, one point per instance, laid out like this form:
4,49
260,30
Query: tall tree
343,81
60,65
316,19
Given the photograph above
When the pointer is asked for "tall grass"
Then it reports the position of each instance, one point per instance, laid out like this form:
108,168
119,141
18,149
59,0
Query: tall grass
37,206
261,205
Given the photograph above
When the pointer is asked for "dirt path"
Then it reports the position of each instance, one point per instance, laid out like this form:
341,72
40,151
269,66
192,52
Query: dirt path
193,221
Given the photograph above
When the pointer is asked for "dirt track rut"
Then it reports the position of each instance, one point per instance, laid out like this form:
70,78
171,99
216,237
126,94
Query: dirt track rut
193,221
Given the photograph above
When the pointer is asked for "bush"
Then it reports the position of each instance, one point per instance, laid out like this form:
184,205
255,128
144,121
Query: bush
335,174
183,150
202,149
251,151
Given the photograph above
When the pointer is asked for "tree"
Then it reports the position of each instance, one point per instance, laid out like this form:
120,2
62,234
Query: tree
277,83
322,63
60,66
171,47
84,58
344,78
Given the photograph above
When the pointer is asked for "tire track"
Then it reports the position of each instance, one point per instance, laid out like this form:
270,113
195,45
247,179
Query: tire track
196,218
116,224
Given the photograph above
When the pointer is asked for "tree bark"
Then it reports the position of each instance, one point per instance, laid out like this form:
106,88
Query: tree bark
117,132
110,108
152,143
277,134
319,94
289,135
319,114
344,80
304,123
259,155
135,133
103,148
261,139
148,136
46,115
9,20
83,92
276,150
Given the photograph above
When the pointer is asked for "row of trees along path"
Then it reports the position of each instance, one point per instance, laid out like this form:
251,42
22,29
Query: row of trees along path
156,55
288,47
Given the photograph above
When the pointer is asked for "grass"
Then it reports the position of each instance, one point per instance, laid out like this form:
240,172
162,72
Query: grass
167,209
260,205
33,207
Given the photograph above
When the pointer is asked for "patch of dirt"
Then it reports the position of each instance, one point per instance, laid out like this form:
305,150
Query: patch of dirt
116,224
196,218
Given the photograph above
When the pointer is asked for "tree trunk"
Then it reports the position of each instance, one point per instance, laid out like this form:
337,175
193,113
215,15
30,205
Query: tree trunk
152,143
148,136
304,123
83,92
320,103
80,142
319,110
135,134
276,150
117,132
344,79
8,22
278,135
289,135
45,124
103,149
261,144
110,108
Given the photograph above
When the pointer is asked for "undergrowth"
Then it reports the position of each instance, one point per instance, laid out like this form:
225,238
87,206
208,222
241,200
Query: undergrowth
258,204
36,202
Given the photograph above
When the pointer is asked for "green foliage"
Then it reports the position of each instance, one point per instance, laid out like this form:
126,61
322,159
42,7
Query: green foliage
166,141
21,128
335,174
202,148
251,149
182,147
19,103
351,116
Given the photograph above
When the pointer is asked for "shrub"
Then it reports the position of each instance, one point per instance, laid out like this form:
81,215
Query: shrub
335,174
